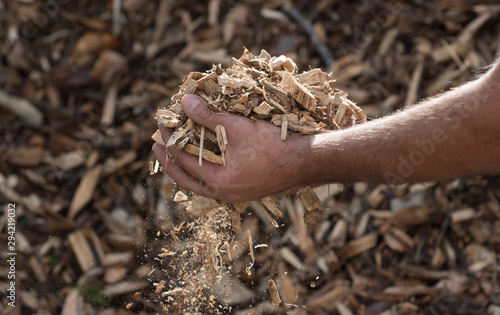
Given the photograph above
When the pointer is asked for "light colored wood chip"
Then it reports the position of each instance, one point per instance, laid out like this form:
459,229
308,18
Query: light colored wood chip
73,304
124,287
298,91
282,63
463,215
82,250
157,137
180,197
266,214
111,164
263,109
284,129
84,191
202,139
22,108
291,258
167,118
309,198
241,206
207,155
177,135
271,206
358,246
313,77
109,108
339,234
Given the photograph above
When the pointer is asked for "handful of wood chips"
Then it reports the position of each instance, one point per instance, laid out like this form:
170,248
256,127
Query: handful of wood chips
258,87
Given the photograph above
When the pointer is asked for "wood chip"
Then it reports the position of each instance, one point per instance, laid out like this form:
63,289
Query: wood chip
82,250
358,246
273,292
206,154
271,206
463,215
85,191
22,108
298,91
309,198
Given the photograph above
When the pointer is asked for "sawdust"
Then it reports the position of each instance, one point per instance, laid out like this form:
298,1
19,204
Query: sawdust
196,260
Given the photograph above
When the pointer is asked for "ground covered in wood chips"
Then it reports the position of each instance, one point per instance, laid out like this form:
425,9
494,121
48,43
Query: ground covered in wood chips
80,82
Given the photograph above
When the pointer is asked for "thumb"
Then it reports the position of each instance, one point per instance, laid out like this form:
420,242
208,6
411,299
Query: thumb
197,109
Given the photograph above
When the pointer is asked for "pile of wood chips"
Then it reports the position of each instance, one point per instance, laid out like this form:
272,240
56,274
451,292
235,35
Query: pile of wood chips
258,87
79,82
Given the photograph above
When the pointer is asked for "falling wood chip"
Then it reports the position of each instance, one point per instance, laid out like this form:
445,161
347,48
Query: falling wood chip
273,292
250,248
266,214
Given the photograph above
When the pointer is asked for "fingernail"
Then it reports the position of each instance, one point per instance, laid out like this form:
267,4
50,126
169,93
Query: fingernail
192,101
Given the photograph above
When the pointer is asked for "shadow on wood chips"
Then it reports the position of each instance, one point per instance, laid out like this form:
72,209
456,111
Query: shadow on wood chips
80,82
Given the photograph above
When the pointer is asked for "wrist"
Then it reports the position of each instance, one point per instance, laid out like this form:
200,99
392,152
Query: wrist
317,159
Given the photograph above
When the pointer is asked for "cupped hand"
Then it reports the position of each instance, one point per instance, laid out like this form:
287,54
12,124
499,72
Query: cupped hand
258,162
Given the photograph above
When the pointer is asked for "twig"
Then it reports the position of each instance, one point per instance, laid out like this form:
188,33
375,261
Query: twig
202,137
322,49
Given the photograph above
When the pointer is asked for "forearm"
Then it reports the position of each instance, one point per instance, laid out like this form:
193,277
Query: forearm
449,136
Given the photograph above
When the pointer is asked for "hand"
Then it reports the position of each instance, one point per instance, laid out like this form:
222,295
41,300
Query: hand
258,162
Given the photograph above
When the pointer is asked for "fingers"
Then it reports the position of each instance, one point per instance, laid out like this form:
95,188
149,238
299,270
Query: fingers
161,154
185,182
190,163
197,109
184,163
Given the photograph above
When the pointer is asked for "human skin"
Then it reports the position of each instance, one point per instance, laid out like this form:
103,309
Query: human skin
453,135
